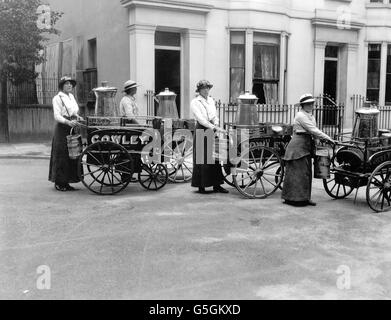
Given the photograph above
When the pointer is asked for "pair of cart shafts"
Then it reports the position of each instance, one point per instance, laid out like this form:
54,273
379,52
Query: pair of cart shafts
113,155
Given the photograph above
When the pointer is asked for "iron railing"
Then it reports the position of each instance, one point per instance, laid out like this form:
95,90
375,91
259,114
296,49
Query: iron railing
384,120
150,103
329,115
38,91
330,118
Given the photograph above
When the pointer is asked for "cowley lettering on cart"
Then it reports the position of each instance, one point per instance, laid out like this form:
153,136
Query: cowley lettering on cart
122,138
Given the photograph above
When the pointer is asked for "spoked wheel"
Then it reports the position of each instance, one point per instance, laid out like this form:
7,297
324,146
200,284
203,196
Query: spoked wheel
153,176
105,168
379,188
178,158
227,176
258,175
335,187
279,174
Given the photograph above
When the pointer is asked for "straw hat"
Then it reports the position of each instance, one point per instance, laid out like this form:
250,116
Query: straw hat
130,84
66,79
306,98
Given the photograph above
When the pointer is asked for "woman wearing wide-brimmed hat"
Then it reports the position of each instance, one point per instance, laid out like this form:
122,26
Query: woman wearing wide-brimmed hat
128,106
62,169
298,155
204,110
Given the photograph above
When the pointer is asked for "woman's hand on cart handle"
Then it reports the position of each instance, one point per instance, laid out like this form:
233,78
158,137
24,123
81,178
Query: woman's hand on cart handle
219,130
73,123
329,141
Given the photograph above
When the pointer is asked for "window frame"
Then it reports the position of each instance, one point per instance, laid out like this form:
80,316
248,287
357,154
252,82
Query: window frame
232,99
379,74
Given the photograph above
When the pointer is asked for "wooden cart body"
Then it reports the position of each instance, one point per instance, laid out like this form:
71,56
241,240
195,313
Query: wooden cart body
365,163
115,151
258,170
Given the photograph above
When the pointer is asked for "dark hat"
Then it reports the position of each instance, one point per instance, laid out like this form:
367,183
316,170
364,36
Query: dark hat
203,84
130,84
66,79
306,98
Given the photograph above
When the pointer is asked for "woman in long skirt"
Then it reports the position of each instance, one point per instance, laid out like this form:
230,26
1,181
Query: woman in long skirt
204,110
298,156
62,169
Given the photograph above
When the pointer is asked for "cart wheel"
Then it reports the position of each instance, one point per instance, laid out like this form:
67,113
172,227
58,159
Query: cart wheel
105,168
153,176
334,188
258,177
179,159
379,188
280,173
227,176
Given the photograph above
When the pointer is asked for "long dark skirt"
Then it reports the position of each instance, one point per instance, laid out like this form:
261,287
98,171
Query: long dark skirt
62,169
298,180
205,175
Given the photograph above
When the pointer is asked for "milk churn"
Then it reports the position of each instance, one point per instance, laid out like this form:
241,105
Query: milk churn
105,101
247,114
366,122
167,106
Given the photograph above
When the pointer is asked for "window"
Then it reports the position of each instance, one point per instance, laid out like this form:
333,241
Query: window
388,76
373,80
92,53
266,73
90,75
170,39
90,81
237,64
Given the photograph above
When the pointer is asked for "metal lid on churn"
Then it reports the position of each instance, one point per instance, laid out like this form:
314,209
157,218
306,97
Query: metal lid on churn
166,93
105,88
368,111
248,98
369,108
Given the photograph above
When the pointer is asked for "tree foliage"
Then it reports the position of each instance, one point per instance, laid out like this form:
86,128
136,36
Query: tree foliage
22,37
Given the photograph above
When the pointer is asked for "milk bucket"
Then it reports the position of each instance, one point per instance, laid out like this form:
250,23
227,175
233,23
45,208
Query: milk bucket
385,139
75,145
322,163
221,146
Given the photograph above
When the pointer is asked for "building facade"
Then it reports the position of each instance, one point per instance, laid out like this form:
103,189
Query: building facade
278,49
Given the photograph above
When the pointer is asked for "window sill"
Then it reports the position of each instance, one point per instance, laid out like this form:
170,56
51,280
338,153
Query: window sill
378,5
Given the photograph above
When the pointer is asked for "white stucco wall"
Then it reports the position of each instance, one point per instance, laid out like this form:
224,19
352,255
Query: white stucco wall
104,20
126,49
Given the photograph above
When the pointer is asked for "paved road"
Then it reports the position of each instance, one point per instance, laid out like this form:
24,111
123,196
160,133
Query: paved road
177,244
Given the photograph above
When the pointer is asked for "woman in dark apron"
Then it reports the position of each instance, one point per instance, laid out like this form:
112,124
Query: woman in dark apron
298,156
204,110
62,169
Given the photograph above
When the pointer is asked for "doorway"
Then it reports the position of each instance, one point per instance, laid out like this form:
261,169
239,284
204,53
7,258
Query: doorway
331,72
168,64
330,84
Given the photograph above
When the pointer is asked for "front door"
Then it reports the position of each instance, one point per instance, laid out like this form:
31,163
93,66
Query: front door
330,84
168,64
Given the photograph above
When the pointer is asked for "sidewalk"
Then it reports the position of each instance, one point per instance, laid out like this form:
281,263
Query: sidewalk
25,150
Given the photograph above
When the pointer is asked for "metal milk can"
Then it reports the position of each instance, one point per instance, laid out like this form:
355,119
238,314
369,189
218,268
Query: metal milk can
167,107
247,113
366,123
105,105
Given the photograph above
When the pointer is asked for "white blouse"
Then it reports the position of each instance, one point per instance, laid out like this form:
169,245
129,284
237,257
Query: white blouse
305,122
64,106
204,111
128,107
